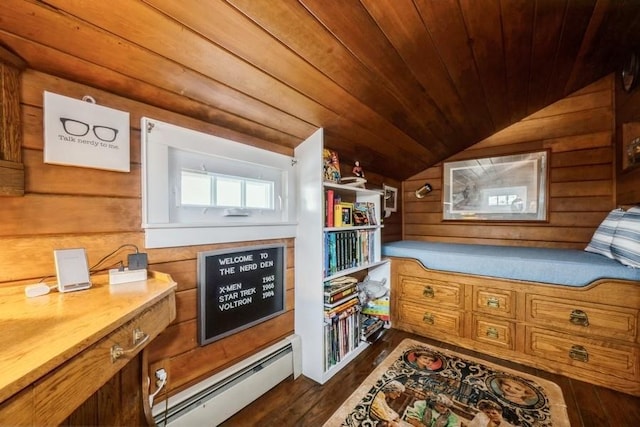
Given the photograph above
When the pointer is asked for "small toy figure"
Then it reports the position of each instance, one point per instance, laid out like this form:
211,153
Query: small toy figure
357,170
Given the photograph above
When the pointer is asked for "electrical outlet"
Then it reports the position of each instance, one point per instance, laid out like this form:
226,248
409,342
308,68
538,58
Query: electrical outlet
155,367
161,377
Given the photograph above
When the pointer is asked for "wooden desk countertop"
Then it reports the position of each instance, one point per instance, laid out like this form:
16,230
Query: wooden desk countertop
37,335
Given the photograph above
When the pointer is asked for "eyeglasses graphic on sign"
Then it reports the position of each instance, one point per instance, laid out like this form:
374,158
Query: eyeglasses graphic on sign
78,128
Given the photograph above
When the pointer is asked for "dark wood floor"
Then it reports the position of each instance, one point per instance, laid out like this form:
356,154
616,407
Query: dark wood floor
302,402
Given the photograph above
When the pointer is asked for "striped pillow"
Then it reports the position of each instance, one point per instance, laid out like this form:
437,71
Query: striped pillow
625,246
603,236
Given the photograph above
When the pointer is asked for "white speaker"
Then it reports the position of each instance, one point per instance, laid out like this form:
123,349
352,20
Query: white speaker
72,269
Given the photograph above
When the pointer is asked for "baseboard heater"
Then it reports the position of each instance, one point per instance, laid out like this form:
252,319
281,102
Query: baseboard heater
217,398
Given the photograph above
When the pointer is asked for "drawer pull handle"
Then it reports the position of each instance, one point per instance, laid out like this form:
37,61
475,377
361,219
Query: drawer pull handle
139,338
579,353
428,292
428,318
493,302
579,317
493,333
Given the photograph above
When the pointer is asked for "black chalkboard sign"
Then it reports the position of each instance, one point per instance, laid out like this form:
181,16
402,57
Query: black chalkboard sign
239,288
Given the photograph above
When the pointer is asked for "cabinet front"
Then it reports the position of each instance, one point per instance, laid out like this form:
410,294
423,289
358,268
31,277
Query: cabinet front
494,301
583,318
431,291
495,332
591,357
89,370
430,320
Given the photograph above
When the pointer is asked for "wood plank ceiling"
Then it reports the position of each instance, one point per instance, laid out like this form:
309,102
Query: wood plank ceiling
397,84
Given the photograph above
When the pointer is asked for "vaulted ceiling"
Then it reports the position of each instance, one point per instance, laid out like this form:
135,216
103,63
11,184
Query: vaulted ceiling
396,84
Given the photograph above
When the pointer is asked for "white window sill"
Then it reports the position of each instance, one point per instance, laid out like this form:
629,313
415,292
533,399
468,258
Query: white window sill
172,235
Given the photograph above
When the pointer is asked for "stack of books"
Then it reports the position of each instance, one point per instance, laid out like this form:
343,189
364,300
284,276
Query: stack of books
371,327
340,294
342,318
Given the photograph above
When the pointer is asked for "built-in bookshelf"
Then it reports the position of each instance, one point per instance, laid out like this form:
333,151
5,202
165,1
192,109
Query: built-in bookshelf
338,241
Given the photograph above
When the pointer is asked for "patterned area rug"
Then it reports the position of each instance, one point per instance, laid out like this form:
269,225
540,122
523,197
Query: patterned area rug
421,385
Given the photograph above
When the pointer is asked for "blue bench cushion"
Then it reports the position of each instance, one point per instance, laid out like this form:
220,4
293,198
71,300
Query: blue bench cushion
571,267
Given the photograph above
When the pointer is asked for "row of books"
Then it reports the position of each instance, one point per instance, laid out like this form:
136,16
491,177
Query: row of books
339,213
346,323
341,335
347,249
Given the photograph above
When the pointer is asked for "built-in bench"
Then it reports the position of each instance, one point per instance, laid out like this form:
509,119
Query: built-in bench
562,310
569,267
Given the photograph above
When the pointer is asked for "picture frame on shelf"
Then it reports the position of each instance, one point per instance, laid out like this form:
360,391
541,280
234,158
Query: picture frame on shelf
390,195
347,214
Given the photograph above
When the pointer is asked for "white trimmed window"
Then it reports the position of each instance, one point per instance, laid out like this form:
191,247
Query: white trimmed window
199,188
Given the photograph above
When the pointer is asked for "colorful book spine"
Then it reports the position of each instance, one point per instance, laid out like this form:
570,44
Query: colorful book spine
339,309
330,208
330,299
337,215
338,299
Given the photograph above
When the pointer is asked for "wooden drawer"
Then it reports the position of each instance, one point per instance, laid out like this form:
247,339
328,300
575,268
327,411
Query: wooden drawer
493,301
18,410
583,318
591,357
431,291
496,332
92,368
429,318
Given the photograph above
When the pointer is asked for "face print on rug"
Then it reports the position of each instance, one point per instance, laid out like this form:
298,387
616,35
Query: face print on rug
514,390
424,360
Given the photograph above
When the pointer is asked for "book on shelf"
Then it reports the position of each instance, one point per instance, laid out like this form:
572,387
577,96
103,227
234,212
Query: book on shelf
337,296
361,214
374,336
341,308
329,204
343,301
339,289
372,213
341,335
347,249
339,283
370,326
337,215
378,308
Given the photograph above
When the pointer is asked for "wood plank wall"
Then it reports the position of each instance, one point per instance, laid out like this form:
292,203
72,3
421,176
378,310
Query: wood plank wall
627,111
100,210
578,132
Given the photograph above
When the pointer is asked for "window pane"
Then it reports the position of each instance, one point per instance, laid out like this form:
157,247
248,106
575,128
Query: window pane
195,189
259,195
228,192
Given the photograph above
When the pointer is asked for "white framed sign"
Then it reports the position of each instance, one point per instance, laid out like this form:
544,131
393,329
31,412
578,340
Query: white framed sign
81,133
